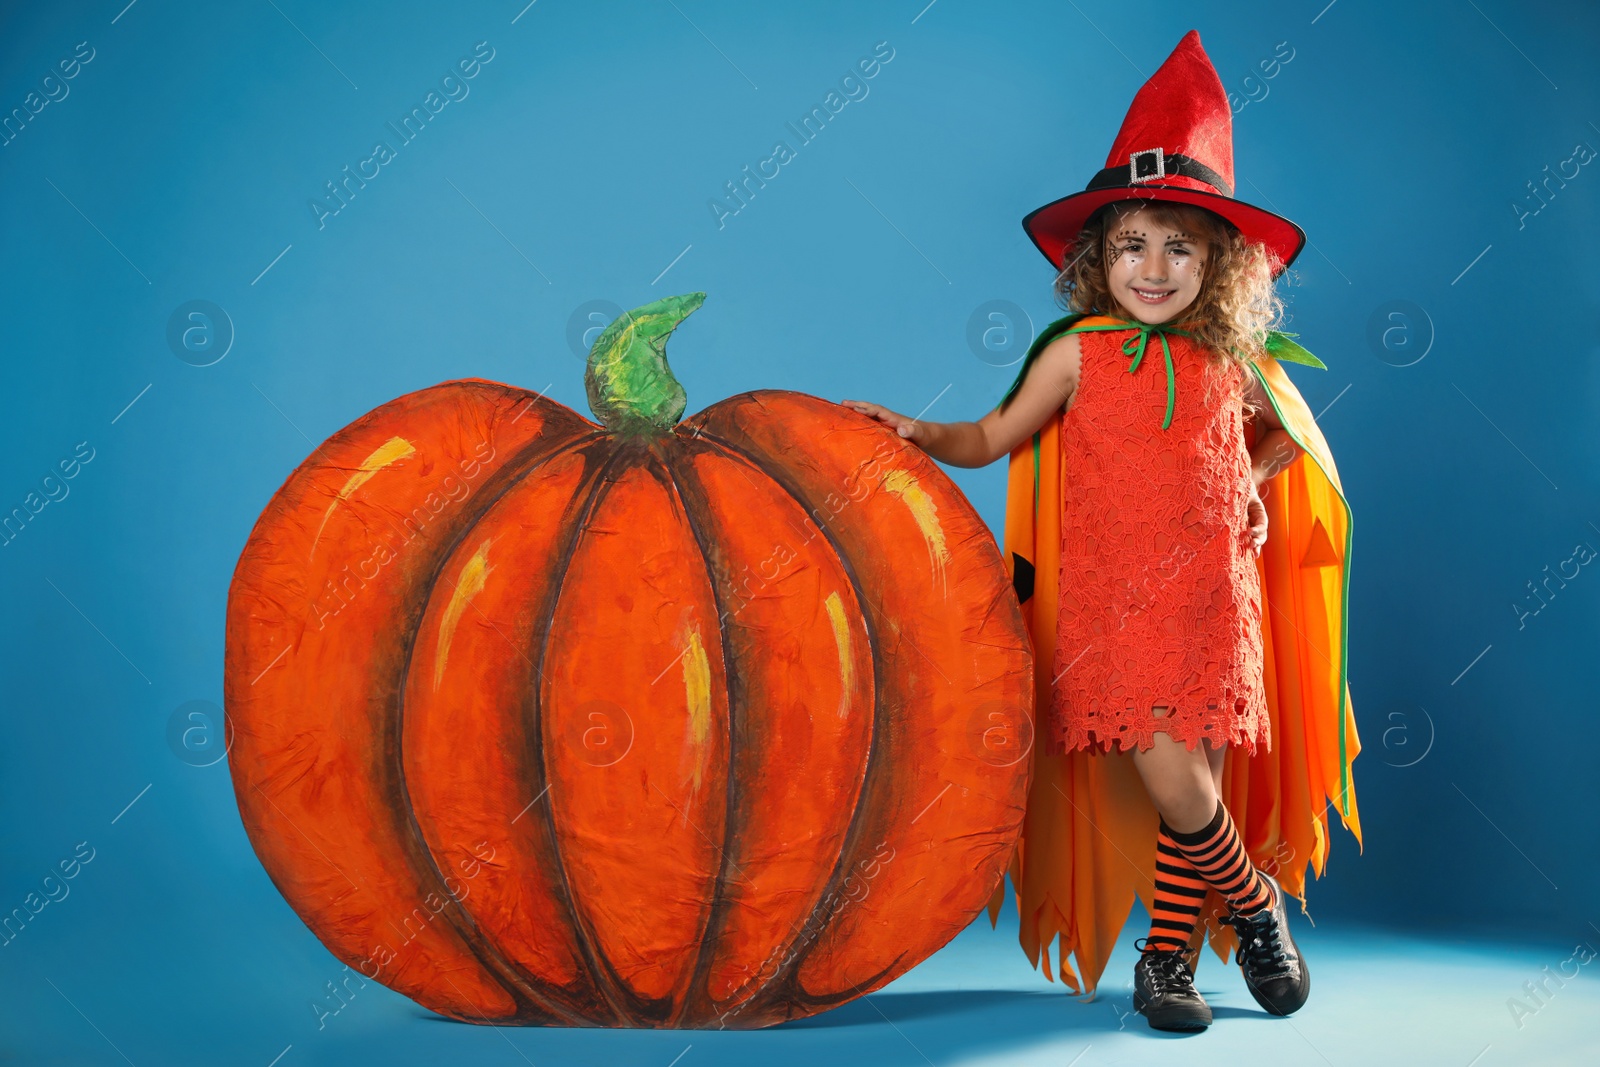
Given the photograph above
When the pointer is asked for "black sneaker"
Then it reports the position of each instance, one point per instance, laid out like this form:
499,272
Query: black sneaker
1164,992
1274,970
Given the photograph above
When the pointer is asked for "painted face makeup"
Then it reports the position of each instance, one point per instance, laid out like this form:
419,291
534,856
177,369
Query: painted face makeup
1153,272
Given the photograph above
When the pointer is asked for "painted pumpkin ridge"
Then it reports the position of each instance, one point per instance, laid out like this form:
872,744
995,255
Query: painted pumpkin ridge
628,1006
782,984
697,514
529,990
524,989
692,442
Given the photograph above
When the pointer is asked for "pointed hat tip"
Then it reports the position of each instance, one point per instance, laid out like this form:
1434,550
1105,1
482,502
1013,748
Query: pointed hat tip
1189,49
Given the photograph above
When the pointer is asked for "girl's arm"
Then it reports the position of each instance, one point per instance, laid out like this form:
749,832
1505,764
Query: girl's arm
1274,448
1046,390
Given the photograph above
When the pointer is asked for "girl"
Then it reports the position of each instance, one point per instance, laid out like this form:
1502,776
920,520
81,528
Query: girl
1144,430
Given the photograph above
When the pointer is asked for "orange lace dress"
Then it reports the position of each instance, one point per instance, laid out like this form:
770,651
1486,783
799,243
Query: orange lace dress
1160,598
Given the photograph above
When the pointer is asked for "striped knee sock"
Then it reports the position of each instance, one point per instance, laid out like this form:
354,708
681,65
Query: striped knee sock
1219,857
1179,891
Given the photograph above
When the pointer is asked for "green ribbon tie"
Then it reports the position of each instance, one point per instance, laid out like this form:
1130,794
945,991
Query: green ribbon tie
1135,347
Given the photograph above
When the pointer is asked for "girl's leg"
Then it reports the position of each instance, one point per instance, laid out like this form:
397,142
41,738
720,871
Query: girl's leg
1179,889
1179,892
1216,757
1183,784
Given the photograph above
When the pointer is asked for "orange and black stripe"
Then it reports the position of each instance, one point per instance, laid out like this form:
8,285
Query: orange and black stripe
1179,891
1218,856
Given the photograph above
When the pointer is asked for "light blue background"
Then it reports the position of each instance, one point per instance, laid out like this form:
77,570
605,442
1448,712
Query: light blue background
180,167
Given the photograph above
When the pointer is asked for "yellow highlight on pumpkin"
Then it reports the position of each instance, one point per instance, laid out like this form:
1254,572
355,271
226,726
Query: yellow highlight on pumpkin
841,637
391,451
697,692
905,485
474,576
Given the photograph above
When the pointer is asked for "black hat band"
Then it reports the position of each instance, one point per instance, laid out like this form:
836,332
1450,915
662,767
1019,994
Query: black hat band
1152,165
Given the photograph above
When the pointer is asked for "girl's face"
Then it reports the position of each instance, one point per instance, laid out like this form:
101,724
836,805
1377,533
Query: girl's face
1153,272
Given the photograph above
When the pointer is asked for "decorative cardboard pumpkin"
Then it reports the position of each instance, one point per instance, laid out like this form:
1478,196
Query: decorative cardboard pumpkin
703,724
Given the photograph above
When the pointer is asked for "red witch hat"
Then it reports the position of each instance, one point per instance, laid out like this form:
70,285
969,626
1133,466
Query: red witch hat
1176,143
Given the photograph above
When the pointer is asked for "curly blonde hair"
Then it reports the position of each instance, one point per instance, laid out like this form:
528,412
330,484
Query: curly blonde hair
1237,304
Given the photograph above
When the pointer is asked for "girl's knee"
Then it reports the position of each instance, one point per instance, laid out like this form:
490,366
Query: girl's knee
1185,801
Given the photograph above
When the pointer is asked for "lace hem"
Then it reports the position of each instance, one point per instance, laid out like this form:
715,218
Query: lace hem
1247,728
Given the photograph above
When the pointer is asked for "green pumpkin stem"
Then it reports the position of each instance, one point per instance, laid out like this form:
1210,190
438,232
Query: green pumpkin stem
631,389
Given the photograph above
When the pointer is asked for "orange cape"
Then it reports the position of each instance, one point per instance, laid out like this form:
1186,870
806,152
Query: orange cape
1088,839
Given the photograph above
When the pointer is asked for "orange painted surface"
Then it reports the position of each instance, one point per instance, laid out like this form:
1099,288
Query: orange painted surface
714,727
339,564
640,837
951,668
805,666
471,743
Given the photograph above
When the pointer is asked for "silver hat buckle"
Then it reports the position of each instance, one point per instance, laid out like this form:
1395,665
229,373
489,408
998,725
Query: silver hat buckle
1146,165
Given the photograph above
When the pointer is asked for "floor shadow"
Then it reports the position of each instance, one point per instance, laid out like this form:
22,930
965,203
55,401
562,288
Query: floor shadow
934,1004
895,1029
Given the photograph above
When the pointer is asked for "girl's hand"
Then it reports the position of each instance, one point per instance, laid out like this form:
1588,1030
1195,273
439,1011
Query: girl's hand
1256,513
913,430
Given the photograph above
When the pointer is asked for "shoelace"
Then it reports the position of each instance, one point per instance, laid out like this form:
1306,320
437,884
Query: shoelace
1168,968
1260,943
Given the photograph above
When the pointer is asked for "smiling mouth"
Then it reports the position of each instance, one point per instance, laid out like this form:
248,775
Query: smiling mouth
1153,296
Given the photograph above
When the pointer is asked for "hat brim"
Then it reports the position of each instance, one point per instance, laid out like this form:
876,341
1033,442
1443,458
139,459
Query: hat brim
1054,227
